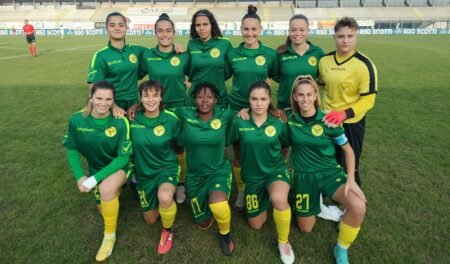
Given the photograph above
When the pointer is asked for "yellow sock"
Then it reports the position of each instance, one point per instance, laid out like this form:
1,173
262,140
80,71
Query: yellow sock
237,177
110,212
182,162
283,223
168,215
222,214
347,234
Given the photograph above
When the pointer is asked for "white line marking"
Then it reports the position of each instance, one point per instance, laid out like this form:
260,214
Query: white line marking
27,55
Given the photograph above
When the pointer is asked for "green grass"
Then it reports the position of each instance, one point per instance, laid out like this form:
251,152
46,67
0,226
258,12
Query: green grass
405,165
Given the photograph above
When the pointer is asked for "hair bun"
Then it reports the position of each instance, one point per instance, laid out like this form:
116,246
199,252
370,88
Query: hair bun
164,15
252,9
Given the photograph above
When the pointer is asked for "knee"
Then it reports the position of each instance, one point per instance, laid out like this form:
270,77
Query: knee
106,192
279,202
150,219
165,200
358,208
305,228
256,226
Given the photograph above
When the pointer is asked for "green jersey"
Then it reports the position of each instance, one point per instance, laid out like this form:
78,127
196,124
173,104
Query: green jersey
292,65
208,65
313,143
120,67
100,141
204,141
169,69
248,66
260,147
153,142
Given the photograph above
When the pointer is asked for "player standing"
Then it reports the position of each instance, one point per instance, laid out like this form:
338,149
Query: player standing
350,86
118,63
105,143
264,171
208,175
316,170
298,56
29,31
155,132
208,52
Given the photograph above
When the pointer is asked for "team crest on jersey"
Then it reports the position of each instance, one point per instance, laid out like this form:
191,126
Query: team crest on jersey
317,130
215,53
159,131
110,132
260,60
312,61
270,131
175,61
216,124
132,58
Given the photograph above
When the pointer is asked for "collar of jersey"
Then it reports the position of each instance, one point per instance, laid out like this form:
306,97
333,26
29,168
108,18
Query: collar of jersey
270,120
161,54
148,121
319,116
214,116
205,45
345,59
243,51
125,47
311,48
92,121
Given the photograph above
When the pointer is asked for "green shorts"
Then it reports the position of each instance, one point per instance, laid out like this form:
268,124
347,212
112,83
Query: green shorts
257,198
199,188
148,188
128,171
309,186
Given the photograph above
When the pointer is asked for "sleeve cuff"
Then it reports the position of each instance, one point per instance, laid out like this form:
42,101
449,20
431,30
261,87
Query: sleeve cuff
349,113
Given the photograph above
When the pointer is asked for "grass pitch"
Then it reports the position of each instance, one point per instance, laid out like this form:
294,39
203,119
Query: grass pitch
404,167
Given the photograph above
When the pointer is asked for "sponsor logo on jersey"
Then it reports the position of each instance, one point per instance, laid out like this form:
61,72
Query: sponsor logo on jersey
132,58
215,53
312,61
113,62
154,59
293,57
84,129
317,130
192,121
338,179
196,52
246,129
175,61
239,59
137,126
217,185
110,132
159,131
216,124
260,60
291,123
270,131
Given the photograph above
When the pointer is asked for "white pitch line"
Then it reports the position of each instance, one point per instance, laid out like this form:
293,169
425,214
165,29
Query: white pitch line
27,55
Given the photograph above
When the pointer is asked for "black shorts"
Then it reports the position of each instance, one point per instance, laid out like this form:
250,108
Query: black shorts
31,39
